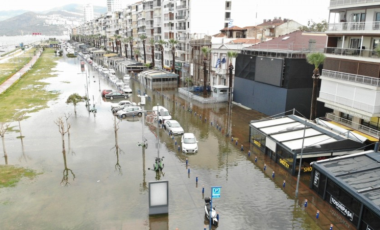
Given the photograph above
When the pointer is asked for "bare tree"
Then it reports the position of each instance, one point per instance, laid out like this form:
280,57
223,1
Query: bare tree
66,172
3,129
19,117
116,147
62,130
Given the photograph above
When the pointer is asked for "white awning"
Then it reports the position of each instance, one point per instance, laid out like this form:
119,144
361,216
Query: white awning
261,124
295,135
309,142
282,128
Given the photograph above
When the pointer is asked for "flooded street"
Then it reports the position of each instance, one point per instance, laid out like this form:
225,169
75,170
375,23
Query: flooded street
95,185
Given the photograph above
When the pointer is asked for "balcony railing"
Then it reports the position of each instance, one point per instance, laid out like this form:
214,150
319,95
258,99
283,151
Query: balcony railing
181,48
169,27
373,109
351,52
180,58
141,31
181,27
157,30
179,17
168,9
169,19
357,126
181,38
181,7
157,24
156,4
350,2
351,77
354,26
148,26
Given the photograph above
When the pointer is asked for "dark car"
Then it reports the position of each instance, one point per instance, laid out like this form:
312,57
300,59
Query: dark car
106,91
113,95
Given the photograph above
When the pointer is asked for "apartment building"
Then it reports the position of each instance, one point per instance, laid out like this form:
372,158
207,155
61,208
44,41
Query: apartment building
350,82
88,12
113,5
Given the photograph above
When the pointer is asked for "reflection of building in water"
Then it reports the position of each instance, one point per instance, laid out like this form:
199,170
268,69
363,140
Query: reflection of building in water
159,222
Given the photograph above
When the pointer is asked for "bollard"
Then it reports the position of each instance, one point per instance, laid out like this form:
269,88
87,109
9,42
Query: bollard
265,167
273,174
173,137
255,159
220,128
241,148
236,142
175,143
196,179
203,190
232,139
188,171
205,119
200,116
331,227
249,153
179,148
187,161
283,184
211,123
305,203
317,215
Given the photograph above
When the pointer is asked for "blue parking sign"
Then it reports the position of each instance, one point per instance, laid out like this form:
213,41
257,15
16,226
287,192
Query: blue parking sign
215,192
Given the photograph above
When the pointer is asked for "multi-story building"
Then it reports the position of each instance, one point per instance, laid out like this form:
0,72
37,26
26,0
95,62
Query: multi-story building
350,79
88,12
114,5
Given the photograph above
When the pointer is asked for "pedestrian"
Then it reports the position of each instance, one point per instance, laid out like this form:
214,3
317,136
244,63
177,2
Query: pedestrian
331,227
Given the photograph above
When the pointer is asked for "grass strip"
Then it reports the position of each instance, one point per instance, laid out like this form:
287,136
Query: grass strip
29,93
9,52
13,65
11,175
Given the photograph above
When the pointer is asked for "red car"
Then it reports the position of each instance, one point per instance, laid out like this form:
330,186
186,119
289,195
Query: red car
106,91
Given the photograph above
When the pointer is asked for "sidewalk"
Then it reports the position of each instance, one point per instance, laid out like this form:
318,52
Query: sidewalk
8,83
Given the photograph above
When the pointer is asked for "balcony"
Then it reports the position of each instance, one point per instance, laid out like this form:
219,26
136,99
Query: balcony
157,24
351,52
169,28
181,39
181,7
168,9
148,26
354,27
357,126
148,7
181,27
168,18
337,3
141,31
180,17
157,5
180,48
157,30
220,71
371,81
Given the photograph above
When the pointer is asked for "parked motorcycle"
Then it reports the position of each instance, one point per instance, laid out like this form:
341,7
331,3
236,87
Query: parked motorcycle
213,212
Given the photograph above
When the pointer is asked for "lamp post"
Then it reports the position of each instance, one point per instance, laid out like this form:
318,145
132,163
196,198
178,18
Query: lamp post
299,167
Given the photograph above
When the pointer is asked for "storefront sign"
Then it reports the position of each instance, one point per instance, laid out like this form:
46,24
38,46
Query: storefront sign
316,178
257,143
284,163
340,207
307,169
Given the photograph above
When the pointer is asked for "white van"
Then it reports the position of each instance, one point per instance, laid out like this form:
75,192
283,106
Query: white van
163,113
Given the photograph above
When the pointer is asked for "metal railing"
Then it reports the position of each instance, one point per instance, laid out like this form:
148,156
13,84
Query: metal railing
168,18
350,2
354,26
169,9
350,103
351,77
157,30
179,17
357,126
181,38
180,58
156,4
181,27
351,52
181,7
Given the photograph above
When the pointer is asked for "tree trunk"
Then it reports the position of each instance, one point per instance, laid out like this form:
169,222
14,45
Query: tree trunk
19,126
5,152
63,142
75,109
313,108
204,77
231,67
173,56
131,45
162,57
113,47
126,51
144,51
153,56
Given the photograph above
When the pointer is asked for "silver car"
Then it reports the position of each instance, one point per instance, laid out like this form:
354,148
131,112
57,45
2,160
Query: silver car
129,111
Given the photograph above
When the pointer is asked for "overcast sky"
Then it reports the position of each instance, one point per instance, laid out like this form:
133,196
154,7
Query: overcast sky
298,10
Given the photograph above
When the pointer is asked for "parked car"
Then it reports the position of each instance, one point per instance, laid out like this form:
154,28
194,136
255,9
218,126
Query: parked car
162,112
121,105
106,91
189,143
113,95
126,78
119,83
129,111
112,71
173,126
126,89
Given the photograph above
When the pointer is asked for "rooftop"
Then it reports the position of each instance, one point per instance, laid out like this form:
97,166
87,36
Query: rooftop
274,22
359,174
234,28
245,41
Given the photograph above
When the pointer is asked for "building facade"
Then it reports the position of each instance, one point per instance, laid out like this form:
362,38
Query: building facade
88,12
350,79
113,5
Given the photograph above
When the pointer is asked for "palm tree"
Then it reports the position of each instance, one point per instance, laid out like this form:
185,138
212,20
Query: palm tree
137,53
162,43
230,55
205,50
75,99
172,43
143,38
125,40
315,59
151,42
130,39
111,40
118,43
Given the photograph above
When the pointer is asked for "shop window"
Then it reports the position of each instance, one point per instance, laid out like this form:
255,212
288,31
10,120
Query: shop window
346,116
370,221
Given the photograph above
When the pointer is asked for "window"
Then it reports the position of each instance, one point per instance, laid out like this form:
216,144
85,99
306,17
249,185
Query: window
228,4
228,15
225,25
346,116
355,43
359,17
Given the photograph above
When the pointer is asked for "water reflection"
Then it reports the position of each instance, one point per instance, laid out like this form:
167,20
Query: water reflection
66,172
3,129
159,222
116,147
23,156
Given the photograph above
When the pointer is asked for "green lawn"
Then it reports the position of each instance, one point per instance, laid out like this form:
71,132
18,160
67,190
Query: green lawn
11,175
28,92
11,66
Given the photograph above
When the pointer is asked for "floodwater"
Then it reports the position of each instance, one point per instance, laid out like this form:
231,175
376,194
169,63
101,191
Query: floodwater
101,179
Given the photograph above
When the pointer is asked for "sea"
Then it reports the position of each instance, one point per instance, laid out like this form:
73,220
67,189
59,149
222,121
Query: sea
8,43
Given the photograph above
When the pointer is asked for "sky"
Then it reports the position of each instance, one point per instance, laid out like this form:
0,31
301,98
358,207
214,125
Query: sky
301,11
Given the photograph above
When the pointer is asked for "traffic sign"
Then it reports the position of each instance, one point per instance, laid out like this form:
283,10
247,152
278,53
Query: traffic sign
215,192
